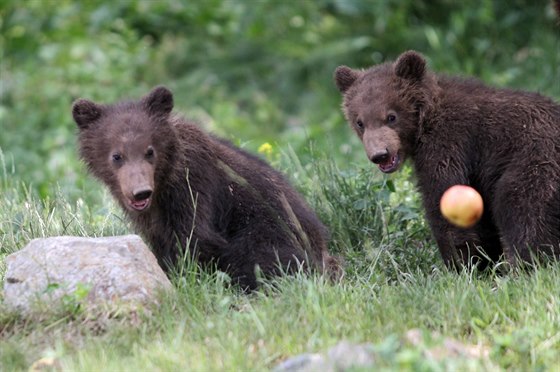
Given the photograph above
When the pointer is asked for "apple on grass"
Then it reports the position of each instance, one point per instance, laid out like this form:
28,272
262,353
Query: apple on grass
461,205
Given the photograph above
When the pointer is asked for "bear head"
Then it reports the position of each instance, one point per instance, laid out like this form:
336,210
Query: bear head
386,105
128,145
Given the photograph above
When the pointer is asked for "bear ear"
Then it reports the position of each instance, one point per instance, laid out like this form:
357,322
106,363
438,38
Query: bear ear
85,112
344,77
411,66
159,101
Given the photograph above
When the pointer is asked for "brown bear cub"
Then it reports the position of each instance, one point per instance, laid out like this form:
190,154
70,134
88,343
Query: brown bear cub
504,143
185,189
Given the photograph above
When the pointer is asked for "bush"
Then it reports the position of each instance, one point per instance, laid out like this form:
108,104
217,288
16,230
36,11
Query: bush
251,71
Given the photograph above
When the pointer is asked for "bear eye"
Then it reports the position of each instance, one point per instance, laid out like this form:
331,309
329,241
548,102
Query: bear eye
360,124
150,152
117,157
391,118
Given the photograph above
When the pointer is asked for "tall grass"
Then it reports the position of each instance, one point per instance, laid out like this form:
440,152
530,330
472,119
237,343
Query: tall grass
394,283
25,216
373,220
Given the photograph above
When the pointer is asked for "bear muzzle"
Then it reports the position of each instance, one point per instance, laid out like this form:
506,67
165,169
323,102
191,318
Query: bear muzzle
383,148
141,198
387,162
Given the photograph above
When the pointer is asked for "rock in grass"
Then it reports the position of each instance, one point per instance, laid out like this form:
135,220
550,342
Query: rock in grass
346,356
73,272
341,357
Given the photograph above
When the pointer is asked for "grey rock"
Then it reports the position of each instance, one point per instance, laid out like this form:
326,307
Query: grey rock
90,271
346,356
340,357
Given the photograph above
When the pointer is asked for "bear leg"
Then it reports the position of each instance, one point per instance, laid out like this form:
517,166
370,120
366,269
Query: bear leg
526,209
246,252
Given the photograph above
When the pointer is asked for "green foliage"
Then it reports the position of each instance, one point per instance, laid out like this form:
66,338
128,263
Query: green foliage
71,303
371,219
253,71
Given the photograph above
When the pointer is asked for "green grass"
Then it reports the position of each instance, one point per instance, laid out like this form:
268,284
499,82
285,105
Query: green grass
394,282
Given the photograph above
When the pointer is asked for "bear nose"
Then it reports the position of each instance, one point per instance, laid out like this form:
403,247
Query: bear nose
142,194
380,157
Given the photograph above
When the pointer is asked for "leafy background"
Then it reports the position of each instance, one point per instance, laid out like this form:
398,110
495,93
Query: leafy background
252,71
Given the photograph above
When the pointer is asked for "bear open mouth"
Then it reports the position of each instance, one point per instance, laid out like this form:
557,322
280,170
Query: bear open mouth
140,205
391,165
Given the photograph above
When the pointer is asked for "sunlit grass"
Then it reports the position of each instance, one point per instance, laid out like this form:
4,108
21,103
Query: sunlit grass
394,283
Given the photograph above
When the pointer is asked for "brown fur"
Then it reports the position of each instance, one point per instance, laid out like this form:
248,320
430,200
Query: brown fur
504,143
183,188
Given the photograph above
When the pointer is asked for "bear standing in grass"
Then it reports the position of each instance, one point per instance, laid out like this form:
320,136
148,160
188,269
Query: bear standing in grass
504,143
185,189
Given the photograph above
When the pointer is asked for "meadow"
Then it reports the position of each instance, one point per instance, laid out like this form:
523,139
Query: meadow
260,72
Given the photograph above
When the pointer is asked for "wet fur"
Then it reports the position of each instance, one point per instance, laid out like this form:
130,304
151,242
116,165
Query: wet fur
505,143
241,212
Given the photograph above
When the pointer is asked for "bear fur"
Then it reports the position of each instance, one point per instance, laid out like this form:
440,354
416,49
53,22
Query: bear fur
185,189
504,143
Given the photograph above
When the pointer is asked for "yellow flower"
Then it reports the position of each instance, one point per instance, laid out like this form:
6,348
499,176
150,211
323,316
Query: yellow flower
265,148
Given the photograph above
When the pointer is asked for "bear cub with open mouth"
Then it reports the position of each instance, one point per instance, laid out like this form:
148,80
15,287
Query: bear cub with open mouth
186,190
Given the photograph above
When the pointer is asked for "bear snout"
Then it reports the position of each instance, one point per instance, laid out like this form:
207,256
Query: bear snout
380,156
136,180
382,147
142,193
387,161
141,198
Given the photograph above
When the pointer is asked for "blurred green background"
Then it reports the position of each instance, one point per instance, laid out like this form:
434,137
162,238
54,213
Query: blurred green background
253,71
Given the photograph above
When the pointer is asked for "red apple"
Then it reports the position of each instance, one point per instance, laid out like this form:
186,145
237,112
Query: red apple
461,205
